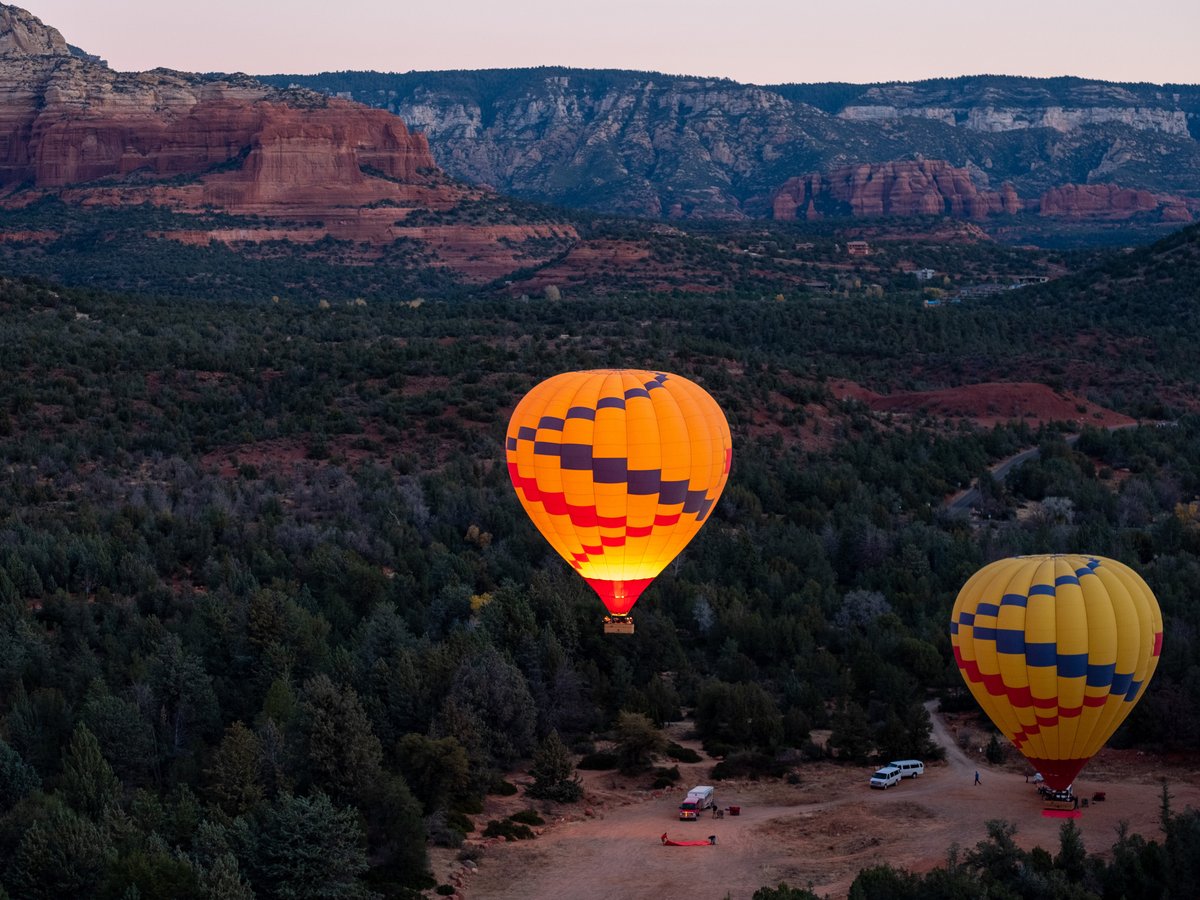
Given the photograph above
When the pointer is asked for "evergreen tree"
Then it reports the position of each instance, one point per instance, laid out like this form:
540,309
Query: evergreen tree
637,741
341,753
435,769
851,733
1072,857
553,771
88,782
235,773
223,881
64,855
301,848
17,778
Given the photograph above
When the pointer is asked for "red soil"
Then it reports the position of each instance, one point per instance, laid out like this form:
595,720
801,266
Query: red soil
988,404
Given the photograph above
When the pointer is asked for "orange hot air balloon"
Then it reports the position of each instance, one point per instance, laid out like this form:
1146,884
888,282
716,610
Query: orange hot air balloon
1057,649
618,468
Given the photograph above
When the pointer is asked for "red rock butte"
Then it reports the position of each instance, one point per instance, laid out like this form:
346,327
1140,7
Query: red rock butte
934,187
73,128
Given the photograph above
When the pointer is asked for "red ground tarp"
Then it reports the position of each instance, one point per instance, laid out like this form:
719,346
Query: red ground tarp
667,842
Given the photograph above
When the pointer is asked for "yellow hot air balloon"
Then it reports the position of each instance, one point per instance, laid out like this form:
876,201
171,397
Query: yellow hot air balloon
618,468
1057,649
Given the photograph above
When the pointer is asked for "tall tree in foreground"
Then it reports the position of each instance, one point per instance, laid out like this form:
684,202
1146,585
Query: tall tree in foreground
553,771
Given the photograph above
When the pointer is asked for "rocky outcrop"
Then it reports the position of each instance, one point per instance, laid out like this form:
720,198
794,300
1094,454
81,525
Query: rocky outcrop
308,165
997,119
24,34
934,187
1111,202
67,122
904,188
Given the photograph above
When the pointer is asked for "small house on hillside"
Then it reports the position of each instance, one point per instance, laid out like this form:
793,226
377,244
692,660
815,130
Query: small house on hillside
858,248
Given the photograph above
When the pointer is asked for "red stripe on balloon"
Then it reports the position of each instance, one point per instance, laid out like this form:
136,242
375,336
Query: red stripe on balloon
1020,696
635,531
581,516
1070,712
1157,643
994,684
1095,701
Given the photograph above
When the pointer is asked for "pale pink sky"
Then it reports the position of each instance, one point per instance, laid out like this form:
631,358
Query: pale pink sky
757,41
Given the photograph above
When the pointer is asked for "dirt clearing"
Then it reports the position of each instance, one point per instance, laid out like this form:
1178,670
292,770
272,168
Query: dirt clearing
819,833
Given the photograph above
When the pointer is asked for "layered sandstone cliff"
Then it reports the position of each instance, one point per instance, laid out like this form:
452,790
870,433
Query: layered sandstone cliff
904,188
1110,202
308,165
934,187
67,122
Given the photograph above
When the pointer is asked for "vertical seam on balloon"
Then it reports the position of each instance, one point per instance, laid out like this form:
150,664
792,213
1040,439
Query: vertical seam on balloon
1076,749
1005,590
661,468
583,382
1036,738
688,468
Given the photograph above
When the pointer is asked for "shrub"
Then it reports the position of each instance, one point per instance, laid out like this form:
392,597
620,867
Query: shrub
509,830
460,821
602,760
472,852
749,765
527,817
665,777
502,788
682,754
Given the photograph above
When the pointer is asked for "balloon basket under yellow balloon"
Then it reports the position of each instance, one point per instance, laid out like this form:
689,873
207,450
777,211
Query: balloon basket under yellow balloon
1059,804
618,625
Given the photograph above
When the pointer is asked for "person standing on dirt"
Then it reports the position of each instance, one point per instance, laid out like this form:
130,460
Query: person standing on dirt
977,776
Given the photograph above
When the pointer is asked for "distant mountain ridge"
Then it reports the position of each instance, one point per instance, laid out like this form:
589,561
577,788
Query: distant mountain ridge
684,147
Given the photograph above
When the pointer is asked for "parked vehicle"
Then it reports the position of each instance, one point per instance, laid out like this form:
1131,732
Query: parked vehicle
698,799
885,777
909,768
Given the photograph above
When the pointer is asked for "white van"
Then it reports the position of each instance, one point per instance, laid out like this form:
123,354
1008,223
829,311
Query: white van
885,777
909,768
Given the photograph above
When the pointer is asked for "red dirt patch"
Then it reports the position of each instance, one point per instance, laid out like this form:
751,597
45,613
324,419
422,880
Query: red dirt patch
989,404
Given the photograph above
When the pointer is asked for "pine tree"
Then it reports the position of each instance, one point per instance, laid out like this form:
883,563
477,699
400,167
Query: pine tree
553,771
223,881
301,847
88,781
343,754
62,856
17,778
235,775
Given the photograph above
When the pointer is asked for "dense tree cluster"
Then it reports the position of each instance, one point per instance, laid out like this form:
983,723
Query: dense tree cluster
271,616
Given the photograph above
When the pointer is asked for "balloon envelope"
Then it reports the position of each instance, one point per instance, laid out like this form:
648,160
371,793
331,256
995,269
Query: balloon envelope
618,468
1057,649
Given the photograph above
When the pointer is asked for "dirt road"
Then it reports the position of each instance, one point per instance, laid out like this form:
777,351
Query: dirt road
817,834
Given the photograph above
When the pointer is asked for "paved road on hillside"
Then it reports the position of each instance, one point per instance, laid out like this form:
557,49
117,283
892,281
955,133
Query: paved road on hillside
964,501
